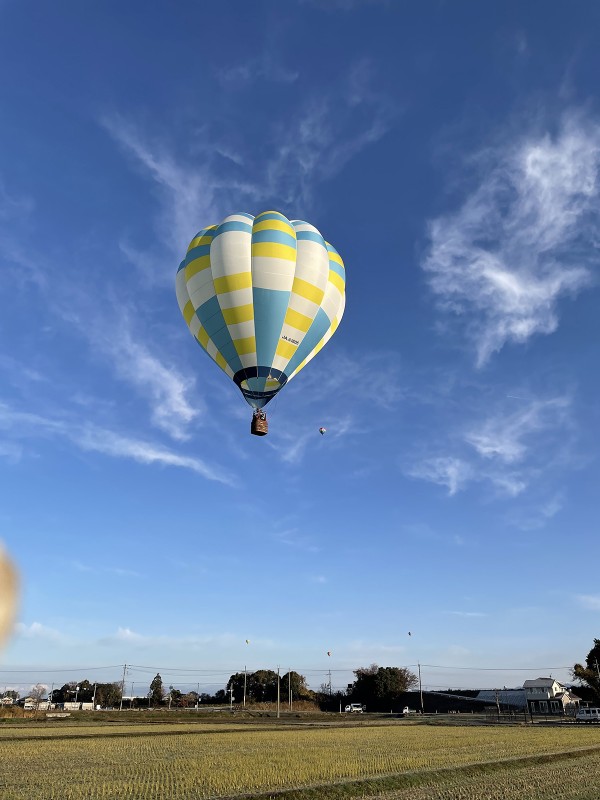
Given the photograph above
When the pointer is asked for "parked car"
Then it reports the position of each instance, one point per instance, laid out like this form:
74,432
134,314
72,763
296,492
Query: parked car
588,715
355,708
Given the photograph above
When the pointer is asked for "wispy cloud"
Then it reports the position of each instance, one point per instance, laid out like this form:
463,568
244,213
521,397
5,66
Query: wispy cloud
589,601
292,537
36,630
505,437
135,640
329,131
263,67
325,130
525,236
537,516
506,450
453,473
165,388
99,570
91,438
466,614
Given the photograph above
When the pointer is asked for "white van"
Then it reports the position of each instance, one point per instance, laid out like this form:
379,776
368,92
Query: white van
355,708
588,715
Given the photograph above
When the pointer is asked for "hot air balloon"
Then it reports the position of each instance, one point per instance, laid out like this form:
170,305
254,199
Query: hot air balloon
261,295
329,653
322,431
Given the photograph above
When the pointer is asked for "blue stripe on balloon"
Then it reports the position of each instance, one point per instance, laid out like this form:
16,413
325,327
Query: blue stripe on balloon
313,336
274,236
271,215
311,236
270,306
333,265
182,265
197,252
225,227
211,319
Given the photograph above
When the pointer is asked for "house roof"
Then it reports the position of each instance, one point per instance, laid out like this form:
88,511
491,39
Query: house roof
540,682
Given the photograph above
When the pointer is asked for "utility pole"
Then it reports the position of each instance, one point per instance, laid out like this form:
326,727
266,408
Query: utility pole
278,692
420,688
230,690
245,683
123,686
290,688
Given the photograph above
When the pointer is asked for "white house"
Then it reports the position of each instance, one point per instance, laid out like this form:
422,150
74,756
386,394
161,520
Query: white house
548,696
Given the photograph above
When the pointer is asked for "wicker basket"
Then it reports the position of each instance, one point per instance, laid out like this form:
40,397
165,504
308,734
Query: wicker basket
259,425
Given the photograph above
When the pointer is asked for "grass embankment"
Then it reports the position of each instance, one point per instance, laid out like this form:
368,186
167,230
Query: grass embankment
185,761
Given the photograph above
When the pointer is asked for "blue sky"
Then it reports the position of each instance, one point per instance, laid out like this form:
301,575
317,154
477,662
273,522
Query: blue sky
451,153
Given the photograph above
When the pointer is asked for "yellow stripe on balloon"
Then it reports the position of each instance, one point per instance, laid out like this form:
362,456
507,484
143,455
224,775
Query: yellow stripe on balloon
204,239
196,266
237,314
308,290
231,283
285,349
274,225
297,320
244,347
203,337
273,250
188,312
337,280
336,257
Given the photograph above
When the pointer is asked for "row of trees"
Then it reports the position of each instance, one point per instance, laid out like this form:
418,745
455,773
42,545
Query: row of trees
376,687
372,685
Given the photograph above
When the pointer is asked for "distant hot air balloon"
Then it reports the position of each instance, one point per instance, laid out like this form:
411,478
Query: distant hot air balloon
329,652
247,641
322,431
261,295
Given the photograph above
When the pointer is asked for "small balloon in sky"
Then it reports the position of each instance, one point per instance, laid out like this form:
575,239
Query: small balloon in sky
247,641
329,652
8,596
262,296
409,633
322,431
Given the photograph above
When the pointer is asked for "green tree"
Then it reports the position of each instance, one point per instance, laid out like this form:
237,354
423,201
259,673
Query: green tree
157,691
590,675
261,686
175,697
382,684
108,695
300,690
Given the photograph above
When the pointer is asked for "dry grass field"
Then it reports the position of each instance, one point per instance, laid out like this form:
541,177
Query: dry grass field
194,761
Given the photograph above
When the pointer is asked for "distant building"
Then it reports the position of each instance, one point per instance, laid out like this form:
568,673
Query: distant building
513,699
548,696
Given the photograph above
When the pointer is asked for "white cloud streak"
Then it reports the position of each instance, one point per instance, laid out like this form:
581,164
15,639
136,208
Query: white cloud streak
524,238
38,631
90,438
505,450
321,135
589,601
505,437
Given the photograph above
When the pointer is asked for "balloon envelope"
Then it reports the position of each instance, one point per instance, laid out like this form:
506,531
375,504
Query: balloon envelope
261,295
